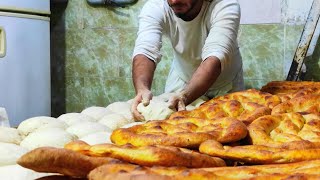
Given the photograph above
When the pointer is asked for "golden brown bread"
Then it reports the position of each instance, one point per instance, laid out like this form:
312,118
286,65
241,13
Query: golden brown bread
306,169
149,155
250,95
63,161
304,104
258,154
245,112
295,94
286,130
184,132
280,87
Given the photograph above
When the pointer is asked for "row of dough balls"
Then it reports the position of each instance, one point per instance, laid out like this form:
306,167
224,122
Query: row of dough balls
93,125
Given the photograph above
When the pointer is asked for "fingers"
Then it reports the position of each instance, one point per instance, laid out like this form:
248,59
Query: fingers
177,103
146,97
173,101
181,105
136,114
143,97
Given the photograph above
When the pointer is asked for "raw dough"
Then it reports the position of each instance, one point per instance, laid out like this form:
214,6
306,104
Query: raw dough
10,153
17,172
96,112
10,135
54,137
32,124
156,110
73,118
83,129
114,121
97,138
122,108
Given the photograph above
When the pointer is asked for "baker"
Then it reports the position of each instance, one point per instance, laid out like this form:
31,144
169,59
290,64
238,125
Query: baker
203,35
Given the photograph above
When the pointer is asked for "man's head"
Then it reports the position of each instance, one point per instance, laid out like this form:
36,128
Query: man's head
186,9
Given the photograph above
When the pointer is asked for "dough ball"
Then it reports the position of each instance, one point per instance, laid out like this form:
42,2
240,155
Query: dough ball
132,124
117,107
130,101
122,108
32,124
73,118
96,112
97,138
114,121
10,135
17,172
54,137
83,129
163,97
156,110
10,153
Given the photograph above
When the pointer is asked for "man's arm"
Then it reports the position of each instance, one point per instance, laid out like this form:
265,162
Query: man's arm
217,53
142,73
202,79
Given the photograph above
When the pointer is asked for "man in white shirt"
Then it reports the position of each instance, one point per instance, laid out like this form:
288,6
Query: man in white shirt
203,34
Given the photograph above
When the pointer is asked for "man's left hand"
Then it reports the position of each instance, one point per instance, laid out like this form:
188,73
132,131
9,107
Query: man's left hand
178,101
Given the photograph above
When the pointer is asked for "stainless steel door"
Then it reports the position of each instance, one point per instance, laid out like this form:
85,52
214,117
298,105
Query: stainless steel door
24,66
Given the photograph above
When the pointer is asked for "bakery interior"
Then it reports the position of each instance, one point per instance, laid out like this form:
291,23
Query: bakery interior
66,114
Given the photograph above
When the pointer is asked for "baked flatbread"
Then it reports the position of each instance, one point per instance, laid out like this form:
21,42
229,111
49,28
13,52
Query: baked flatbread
300,170
304,104
250,95
184,132
259,154
148,155
285,87
63,161
245,112
289,129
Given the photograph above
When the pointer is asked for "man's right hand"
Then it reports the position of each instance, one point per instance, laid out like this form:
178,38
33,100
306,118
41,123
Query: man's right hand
142,97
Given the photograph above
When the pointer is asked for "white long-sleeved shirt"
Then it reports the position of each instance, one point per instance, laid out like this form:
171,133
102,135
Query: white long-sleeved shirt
212,33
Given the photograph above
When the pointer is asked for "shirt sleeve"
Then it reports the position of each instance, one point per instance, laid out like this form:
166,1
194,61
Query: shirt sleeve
223,31
149,39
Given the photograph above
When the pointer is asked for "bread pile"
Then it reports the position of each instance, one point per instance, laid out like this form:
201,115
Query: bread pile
272,133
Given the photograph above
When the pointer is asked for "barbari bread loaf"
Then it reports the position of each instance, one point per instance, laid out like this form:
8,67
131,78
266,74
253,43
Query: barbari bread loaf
63,161
184,132
250,95
280,87
288,128
303,104
301,170
148,155
245,112
258,154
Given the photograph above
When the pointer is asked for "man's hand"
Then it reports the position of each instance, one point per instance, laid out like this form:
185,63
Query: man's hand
142,97
178,101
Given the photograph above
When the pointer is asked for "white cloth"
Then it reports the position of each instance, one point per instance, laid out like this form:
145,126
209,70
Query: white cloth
175,84
212,33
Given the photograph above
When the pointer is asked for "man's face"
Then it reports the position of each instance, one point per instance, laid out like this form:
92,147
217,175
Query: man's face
182,8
